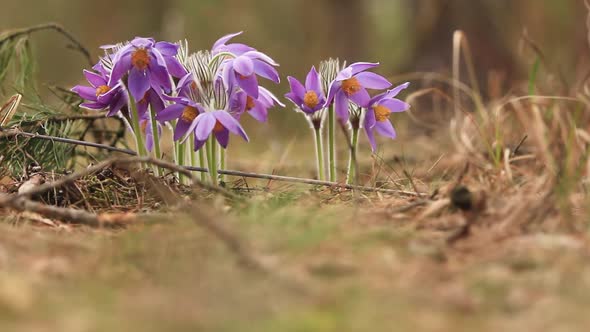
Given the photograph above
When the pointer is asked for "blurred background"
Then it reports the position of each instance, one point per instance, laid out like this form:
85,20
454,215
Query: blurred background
403,35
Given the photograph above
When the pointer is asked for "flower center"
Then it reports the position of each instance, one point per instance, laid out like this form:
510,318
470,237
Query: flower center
101,90
140,58
381,113
311,99
218,127
351,86
250,103
189,114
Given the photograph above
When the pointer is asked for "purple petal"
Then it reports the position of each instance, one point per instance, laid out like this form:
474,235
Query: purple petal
249,85
142,42
171,112
334,89
167,49
395,91
121,67
261,56
93,106
117,104
95,79
297,91
139,84
259,112
223,138
312,82
370,119
243,66
371,137
362,66
341,106
199,144
385,128
395,105
86,92
372,81
361,98
174,67
205,124
231,124
267,71
182,128
270,98
221,41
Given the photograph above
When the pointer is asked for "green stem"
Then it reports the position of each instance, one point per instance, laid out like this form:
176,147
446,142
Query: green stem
222,156
332,143
156,139
193,153
319,150
212,145
202,163
351,178
140,145
180,160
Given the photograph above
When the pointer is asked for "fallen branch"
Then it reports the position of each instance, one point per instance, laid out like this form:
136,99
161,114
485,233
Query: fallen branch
290,179
76,45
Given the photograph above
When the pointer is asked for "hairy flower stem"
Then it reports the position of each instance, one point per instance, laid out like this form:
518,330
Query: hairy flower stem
319,150
180,160
351,177
203,162
212,158
140,145
156,138
222,160
332,143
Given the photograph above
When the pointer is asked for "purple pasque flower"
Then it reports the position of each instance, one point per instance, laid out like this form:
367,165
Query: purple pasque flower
240,102
351,84
148,64
378,111
183,109
100,94
309,98
219,123
152,98
243,68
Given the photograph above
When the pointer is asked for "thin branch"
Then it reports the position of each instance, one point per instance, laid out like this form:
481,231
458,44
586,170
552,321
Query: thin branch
76,45
17,132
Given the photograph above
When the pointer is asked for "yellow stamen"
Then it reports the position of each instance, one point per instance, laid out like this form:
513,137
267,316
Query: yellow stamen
351,86
189,114
311,99
140,58
101,90
218,127
381,113
250,103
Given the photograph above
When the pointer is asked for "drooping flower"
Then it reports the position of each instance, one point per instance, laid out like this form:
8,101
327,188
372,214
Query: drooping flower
183,109
351,84
149,64
309,98
152,98
242,68
241,102
378,111
219,123
100,94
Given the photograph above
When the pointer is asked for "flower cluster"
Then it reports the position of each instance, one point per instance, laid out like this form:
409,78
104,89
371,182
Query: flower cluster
202,97
349,101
